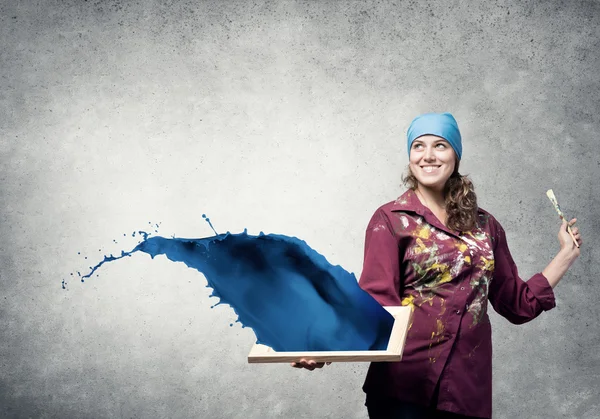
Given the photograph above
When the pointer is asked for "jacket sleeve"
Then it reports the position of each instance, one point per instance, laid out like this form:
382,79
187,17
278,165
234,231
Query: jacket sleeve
380,276
516,300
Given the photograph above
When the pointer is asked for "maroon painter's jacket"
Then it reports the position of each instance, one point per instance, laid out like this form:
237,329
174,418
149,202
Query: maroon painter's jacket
447,278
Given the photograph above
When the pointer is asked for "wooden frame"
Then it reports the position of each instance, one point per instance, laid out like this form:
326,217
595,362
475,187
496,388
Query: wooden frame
402,317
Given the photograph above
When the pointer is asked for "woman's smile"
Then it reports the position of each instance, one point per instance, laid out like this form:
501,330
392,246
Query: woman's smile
430,168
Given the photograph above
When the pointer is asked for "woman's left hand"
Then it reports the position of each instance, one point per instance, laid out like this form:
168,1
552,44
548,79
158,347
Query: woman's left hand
566,256
565,240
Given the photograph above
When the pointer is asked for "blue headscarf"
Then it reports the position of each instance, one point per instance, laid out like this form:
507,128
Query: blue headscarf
439,124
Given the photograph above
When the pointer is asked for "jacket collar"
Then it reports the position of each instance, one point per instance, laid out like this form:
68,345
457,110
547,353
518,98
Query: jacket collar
409,201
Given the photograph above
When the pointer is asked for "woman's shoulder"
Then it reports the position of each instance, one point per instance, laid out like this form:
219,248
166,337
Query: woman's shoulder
485,215
388,206
486,219
405,202
383,212
391,210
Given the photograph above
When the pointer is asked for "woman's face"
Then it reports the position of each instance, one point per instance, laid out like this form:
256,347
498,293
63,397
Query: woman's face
432,161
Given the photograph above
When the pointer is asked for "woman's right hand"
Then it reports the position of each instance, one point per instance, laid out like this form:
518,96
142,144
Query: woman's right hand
309,364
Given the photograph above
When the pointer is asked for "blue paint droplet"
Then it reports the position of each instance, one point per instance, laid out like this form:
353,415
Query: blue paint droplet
210,224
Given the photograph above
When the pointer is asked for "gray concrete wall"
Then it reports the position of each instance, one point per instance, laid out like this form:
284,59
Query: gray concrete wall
287,117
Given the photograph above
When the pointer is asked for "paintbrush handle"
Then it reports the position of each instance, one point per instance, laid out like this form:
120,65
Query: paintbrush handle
572,236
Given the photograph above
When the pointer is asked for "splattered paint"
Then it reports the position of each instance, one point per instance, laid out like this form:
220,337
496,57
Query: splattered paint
435,259
290,295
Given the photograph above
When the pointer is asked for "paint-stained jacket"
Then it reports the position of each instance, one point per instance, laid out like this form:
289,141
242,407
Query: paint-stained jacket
447,278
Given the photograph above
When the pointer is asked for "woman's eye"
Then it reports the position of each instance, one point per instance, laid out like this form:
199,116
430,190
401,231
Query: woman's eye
418,146
441,145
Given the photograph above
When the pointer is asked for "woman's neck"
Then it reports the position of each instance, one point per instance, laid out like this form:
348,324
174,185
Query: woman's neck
433,199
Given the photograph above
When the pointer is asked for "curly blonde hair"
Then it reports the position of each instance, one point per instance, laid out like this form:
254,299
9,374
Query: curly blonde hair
461,201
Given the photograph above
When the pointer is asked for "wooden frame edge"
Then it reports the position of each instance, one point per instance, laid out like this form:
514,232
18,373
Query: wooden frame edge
402,316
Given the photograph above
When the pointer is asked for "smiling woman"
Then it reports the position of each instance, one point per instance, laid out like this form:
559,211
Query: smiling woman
434,250
434,164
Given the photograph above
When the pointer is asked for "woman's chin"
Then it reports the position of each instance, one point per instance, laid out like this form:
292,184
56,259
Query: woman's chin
436,184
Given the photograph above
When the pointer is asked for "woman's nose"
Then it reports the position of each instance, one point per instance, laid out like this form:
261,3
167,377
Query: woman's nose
429,155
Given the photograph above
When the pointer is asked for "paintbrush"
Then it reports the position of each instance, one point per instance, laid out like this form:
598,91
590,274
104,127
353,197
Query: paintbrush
560,213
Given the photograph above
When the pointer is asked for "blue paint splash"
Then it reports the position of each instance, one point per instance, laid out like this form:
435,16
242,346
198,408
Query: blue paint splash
288,293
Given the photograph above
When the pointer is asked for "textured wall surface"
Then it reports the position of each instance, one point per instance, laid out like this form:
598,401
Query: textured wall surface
286,117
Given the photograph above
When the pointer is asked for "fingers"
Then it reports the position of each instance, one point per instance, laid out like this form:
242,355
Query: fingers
303,363
311,365
308,364
575,231
577,236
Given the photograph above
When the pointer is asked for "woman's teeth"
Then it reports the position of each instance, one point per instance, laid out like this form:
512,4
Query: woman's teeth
429,169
